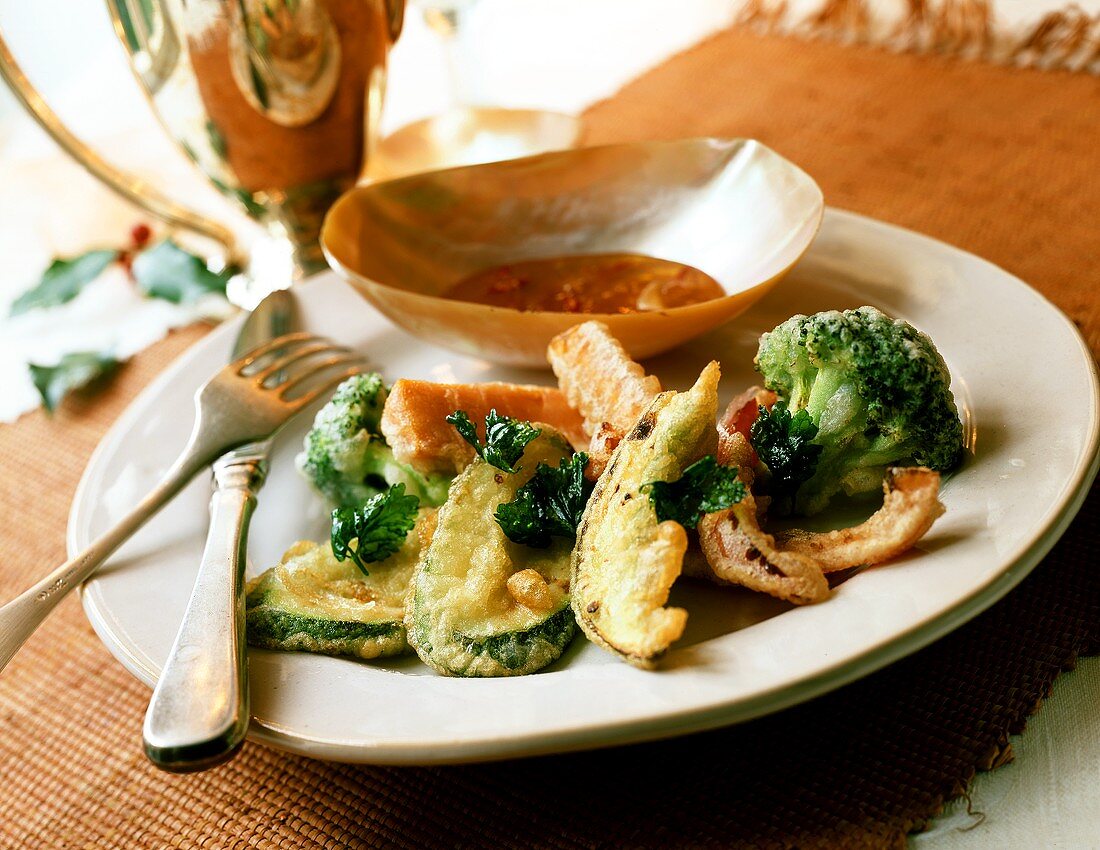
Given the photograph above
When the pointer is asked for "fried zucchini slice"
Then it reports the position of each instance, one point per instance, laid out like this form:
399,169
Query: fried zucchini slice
625,561
310,602
482,605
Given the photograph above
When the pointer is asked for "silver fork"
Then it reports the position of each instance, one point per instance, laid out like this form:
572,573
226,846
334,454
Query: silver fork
247,401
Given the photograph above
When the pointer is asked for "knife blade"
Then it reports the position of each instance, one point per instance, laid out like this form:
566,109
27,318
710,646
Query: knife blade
199,712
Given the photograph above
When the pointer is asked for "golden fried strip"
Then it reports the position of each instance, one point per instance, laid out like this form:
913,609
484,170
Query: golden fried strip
414,419
911,506
739,552
737,420
734,450
603,383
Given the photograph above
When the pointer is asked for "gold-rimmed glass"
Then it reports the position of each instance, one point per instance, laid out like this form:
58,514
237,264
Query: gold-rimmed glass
276,101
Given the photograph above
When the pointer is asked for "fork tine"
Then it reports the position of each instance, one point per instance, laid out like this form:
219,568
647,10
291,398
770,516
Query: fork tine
287,341
318,368
325,386
301,352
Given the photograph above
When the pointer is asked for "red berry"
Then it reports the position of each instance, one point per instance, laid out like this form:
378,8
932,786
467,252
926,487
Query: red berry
139,235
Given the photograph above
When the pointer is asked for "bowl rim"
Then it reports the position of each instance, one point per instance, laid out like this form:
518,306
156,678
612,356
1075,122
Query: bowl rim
344,270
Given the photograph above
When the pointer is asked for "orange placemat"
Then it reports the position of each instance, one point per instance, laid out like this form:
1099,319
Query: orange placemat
1002,162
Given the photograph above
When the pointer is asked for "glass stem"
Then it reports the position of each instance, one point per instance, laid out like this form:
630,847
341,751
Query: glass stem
446,22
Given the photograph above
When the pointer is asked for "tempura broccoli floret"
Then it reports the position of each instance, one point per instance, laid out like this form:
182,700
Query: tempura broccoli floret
858,392
346,457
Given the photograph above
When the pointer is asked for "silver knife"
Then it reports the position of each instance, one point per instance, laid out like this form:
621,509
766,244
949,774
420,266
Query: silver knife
199,712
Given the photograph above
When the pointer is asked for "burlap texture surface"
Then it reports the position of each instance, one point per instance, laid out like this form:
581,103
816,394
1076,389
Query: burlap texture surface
999,161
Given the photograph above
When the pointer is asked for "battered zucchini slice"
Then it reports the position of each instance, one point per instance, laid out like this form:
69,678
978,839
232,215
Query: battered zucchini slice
482,605
625,560
310,602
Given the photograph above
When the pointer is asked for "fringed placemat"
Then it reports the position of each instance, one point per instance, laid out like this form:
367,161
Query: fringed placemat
1047,34
1001,161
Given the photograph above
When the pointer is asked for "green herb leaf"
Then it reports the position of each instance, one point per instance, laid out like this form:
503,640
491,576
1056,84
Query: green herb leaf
168,271
71,372
704,487
466,429
377,529
783,443
505,438
549,505
64,280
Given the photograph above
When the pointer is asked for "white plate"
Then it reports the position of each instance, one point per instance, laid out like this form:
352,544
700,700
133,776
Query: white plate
743,655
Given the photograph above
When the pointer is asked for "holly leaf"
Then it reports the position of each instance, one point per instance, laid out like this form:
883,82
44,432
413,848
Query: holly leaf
64,280
168,271
73,371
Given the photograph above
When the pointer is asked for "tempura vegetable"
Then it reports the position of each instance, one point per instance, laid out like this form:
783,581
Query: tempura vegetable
626,560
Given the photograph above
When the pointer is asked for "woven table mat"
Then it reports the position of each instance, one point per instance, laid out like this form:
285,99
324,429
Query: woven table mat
1002,162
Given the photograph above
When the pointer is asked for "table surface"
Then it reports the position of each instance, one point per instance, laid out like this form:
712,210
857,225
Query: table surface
1046,797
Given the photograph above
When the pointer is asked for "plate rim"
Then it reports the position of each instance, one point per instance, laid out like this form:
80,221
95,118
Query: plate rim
660,725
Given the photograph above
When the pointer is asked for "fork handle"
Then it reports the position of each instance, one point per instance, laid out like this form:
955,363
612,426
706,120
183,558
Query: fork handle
22,615
199,712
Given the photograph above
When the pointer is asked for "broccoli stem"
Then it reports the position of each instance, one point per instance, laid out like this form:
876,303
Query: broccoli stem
826,385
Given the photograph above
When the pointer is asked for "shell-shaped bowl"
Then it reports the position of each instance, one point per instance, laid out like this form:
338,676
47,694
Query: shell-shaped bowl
731,207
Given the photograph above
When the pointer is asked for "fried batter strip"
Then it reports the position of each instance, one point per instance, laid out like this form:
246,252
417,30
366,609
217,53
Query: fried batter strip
738,551
910,507
414,419
734,450
603,383
737,420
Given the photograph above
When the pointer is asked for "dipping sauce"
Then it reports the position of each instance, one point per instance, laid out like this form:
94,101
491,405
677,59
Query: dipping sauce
589,283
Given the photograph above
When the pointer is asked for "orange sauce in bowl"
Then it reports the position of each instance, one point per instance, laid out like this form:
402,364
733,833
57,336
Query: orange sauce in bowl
589,283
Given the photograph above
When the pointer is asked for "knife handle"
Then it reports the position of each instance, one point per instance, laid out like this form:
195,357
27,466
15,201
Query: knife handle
199,712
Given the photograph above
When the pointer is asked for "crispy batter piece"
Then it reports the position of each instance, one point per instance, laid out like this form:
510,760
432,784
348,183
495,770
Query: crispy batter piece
739,551
734,450
413,420
530,588
603,383
626,560
737,420
479,604
911,506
